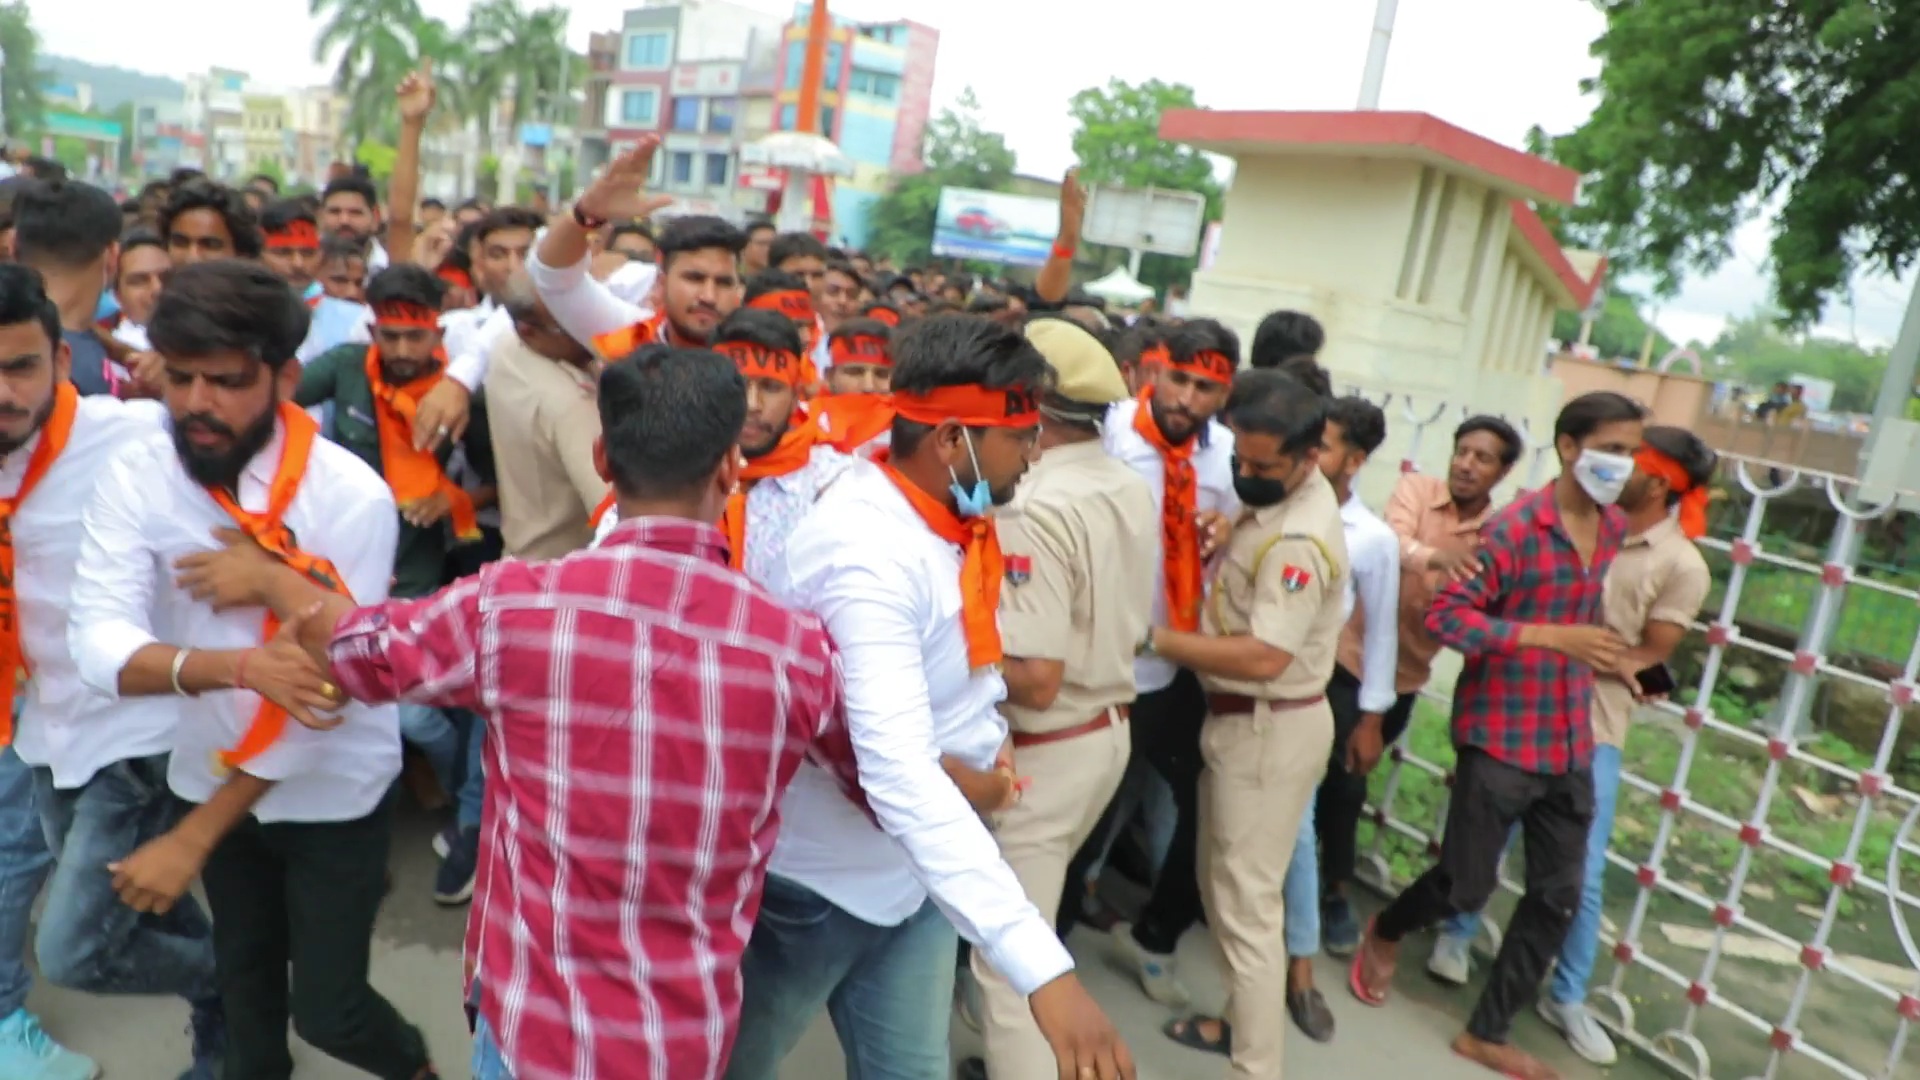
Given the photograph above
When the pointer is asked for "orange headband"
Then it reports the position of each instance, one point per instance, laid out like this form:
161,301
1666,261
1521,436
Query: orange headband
302,235
973,406
399,313
1154,356
885,316
1693,499
795,304
455,276
859,349
758,363
1207,364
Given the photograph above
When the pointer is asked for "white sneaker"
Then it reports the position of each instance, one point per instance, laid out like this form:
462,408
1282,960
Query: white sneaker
1157,973
1582,1031
1452,960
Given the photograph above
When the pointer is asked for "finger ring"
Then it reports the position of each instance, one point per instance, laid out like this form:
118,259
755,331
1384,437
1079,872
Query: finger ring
442,429
329,689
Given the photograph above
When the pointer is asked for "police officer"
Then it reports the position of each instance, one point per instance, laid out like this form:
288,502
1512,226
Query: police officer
1072,609
1264,653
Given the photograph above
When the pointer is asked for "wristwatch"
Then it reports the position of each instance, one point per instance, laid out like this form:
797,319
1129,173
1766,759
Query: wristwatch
587,221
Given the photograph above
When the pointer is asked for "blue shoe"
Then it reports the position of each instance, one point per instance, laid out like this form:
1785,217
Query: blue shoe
1339,930
209,1031
29,1053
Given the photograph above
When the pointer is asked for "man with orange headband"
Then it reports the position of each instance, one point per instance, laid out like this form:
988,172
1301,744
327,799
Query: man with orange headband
901,561
1656,587
374,390
786,295
855,415
802,255
289,827
292,248
1169,435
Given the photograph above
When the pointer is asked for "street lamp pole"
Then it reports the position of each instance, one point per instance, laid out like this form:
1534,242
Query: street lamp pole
1376,70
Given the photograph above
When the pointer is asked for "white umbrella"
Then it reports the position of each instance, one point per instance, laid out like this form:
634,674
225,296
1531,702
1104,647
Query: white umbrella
797,150
1118,286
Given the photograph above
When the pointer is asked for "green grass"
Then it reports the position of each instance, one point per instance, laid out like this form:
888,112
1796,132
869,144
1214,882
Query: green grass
1871,623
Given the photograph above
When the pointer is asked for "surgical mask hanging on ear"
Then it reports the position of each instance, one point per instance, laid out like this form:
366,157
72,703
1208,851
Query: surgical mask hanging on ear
1602,476
975,503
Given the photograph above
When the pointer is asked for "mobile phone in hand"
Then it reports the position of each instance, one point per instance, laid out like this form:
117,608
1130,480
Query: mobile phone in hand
1656,681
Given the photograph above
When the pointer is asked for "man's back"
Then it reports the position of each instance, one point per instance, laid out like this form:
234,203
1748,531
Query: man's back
543,422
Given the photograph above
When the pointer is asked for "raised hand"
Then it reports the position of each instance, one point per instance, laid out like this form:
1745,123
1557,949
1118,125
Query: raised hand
415,94
620,193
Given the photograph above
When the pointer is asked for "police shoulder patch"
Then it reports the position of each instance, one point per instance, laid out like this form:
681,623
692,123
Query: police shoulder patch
1294,578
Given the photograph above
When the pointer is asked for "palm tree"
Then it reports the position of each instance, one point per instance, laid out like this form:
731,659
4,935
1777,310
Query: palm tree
517,55
21,97
374,40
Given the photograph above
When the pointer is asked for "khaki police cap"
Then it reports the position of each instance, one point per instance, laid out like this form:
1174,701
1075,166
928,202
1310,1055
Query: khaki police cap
1084,370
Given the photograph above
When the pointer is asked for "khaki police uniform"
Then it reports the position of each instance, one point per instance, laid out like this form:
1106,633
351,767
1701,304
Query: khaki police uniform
1080,528
1266,746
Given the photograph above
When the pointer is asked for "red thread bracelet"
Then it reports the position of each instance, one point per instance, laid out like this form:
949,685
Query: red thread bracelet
1061,251
240,669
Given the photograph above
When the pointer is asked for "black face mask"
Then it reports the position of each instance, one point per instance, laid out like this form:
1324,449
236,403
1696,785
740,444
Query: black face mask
1257,491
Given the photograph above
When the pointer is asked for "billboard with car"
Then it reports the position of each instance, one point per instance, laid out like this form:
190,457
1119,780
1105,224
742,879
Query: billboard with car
993,226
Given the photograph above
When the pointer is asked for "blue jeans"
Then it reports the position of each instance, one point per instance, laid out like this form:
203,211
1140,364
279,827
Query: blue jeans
1146,791
88,939
1575,968
24,863
888,989
488,1064
429,729
473,781
1302,891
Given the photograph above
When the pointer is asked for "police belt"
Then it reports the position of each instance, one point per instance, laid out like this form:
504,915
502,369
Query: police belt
1106,718
1238,704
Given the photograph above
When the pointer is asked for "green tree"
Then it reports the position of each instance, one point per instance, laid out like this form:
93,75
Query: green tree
519,57
1116,140
21,96
958,152
1712,111
1619,331
1759,353
373,44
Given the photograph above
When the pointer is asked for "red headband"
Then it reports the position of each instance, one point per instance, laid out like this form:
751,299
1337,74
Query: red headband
1207,364
400,313
886,316
858,349
759,363
455,276
1693,499
1154,356
795,304
301,235
973,406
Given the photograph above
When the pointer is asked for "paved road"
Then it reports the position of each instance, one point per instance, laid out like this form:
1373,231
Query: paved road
416,962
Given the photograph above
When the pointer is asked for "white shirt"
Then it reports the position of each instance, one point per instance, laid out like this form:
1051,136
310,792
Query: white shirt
132,335
1212,467
888,590
64,726
471,333
1373,551
583,305
145,514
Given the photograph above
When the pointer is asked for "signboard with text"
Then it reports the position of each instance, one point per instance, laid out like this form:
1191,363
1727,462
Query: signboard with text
706,80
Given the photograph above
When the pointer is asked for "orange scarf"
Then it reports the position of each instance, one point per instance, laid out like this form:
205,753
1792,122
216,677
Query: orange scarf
616,345
53,439
601,511
270,532
789,455
981,568
414,474
1179,508
848,422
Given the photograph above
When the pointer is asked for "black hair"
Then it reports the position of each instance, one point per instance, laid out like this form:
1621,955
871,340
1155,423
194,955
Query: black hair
668,418
795,245
471,204
156,189
1130,344
858,327
1687,451
760,226
352,185
203,194
1274,403
1587,413
129,206
767,329
271,182
881,305
459,255
138,237
1196,336
406,283
228,305
630,228
24,299
432,204
279,215
842,266
1362,425
183,175
960,350
507,217
46,169
63,225
1308,370
772,281
1510,442
988,303
1283,334
698,233
333,246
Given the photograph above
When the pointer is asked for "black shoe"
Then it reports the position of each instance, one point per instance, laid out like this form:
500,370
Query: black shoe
453,885
971,1069
1309,1010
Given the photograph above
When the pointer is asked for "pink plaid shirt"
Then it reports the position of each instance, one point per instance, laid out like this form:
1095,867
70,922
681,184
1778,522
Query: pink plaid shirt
645,707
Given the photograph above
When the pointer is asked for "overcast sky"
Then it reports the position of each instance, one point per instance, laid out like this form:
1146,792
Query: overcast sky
1495,67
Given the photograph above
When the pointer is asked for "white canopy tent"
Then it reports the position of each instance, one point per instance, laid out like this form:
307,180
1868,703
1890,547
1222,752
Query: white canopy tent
1119,287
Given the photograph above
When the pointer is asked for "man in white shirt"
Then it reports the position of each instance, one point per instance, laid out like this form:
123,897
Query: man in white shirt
901,562
289,828
1355,429
1169,435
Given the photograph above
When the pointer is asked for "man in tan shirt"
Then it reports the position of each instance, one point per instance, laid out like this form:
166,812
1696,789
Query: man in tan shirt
544,419
1072,610
1652,593
1438,522
1264,653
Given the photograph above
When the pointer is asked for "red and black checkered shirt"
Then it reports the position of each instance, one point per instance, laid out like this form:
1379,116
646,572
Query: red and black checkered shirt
645,709
1527,707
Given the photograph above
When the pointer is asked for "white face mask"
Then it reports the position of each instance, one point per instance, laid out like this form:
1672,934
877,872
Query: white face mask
1602,476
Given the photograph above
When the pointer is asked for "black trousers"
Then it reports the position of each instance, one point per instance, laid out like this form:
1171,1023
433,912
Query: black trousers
1343,796
1554,813
304,896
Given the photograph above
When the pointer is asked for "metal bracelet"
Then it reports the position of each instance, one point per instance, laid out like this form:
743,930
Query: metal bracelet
179,661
